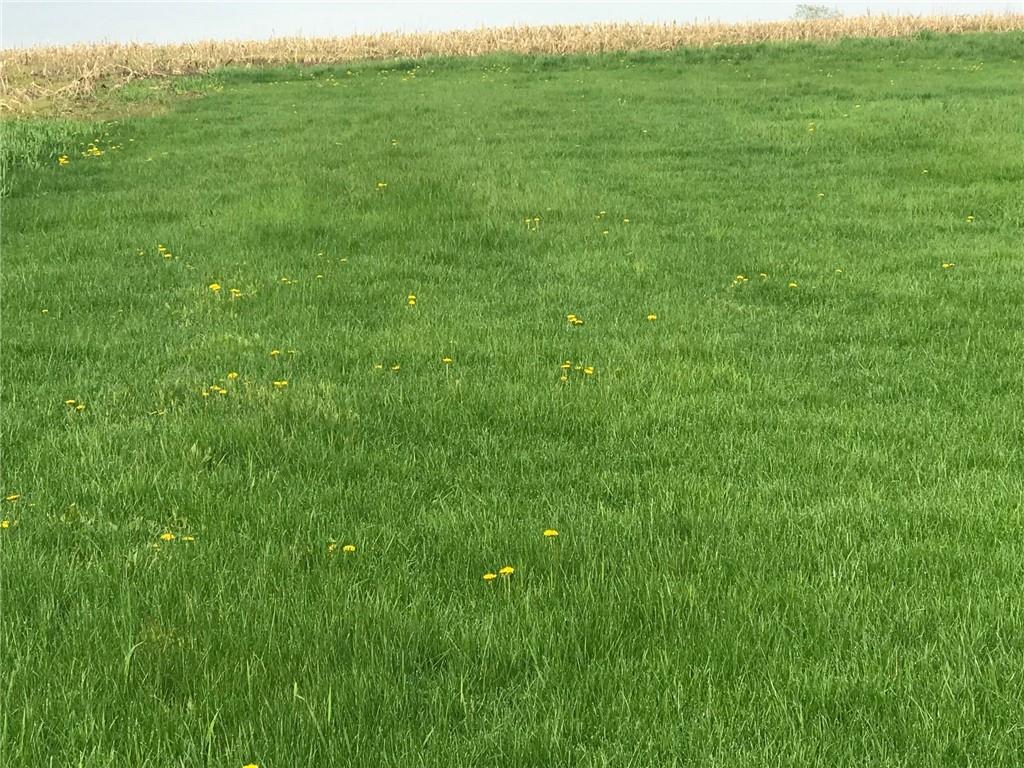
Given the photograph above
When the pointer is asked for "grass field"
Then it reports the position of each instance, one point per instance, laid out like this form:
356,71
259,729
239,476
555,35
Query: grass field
785,461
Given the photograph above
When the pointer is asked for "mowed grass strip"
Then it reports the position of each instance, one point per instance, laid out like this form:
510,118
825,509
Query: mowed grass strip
787,492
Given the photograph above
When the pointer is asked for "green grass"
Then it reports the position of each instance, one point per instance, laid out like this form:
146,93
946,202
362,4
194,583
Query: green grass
790,516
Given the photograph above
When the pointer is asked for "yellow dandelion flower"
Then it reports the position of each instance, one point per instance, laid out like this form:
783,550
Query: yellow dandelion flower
63,160
348,549
215,287
604,231
69,402
948,265
625,221
280,384
566,365
490,576
232,375
5,523
378,366
588,371
235,293
970,219
652,317
332,547
446,360
12,497
167,536
508,570
396,368
80,407
382,185
188,538
792,284
275,352
250,765
550,533
563,378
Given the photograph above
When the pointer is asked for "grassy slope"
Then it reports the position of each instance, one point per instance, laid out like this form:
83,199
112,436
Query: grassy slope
790,516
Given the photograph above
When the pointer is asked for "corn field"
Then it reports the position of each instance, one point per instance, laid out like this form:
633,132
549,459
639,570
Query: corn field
63,74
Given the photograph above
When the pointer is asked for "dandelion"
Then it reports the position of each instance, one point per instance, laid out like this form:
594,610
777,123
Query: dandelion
446,360
563,378
550,533
792,284
280,384
215,287
970,219
63,160
332,547
651,317
188,538
566,365
235,293
12,497
490,576
232,375
411,300
839,270
5,523
382,185
508,570
764,275
604,231
275,352
378,366
250,765
80,407
348,549
69,402
588,371
396,368
948,265
167,536
625,221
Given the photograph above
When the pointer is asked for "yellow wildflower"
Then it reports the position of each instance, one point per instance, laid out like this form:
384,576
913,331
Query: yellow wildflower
13,497
332,547
382,185
508,570
652,317
232,375
792,284
188,538
215,287
948,265
5,523
563,378
80,407
588,371
280,384
63,160
970,219
446,360
275,352
490,576
69,402
396,368
167,536
550,533
348,549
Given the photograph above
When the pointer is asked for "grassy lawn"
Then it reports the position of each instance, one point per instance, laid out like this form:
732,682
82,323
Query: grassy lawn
785,462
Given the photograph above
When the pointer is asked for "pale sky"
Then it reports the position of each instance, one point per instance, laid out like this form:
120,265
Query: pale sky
26,23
